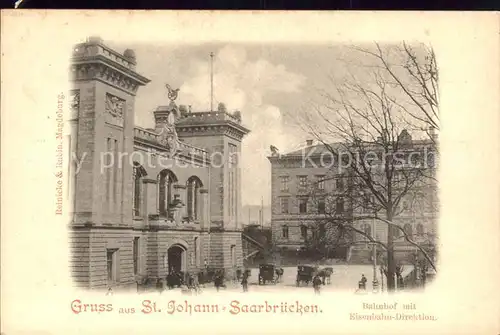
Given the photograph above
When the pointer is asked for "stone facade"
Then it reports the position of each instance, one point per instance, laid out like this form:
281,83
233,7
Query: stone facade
147,201
307,176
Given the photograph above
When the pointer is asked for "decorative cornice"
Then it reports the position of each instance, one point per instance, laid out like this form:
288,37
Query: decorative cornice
180,186
234,131
224,230
203,191
156,150
149,181
105,74
95,61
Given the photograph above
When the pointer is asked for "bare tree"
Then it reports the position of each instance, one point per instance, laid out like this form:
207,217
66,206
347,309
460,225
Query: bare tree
362,126
413,75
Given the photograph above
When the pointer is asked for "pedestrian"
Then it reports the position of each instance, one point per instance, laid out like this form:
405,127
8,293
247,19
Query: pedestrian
362,282
195,283
218,280
317,284
244,281
110,291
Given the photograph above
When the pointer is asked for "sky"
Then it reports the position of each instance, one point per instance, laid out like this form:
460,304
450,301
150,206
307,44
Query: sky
270,84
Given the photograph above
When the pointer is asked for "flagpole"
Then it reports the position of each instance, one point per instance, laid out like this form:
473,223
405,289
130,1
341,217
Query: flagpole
211,81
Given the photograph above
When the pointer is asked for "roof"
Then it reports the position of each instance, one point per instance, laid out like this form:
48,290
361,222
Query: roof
317,149
320,149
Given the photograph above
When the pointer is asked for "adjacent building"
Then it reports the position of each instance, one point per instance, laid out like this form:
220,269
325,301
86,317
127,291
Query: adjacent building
308,192
145,202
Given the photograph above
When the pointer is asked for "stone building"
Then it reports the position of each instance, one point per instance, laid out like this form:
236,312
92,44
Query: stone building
307,191
147,201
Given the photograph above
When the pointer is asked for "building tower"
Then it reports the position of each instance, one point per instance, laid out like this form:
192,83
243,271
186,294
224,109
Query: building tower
220,133
104,84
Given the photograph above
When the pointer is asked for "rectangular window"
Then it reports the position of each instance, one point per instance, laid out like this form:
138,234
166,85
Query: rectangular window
303,232
302,182
339,184
302,205
233,256
315,234
111,264
284,184
320,182
368,204
321,206
137,192
284,205
230,181
196,258
366,201
233,154
235,196
322,230
136,255
285,232
339,208
107,183
115,175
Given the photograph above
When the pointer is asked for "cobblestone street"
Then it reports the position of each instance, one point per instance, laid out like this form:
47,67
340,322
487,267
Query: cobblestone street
344,279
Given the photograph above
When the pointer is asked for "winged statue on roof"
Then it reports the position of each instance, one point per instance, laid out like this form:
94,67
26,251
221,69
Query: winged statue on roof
172,94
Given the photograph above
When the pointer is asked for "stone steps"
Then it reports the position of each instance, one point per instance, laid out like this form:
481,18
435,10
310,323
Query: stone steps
360,256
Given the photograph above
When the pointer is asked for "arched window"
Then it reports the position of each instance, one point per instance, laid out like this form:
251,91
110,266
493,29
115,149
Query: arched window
408,230
193,190
166,180
303,232
138,173
420,229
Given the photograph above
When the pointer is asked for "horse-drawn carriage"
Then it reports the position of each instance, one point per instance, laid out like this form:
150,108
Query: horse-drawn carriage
325,274
269,273
305,274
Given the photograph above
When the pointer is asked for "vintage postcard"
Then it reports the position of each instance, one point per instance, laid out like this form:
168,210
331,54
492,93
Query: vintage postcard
253,172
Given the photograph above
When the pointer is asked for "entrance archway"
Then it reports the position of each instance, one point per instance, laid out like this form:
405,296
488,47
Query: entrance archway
176,259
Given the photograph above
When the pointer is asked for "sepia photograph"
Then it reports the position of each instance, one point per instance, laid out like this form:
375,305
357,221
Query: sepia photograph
271,172
253,167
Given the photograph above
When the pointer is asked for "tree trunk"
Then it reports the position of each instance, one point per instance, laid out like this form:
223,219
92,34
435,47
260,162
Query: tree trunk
391,264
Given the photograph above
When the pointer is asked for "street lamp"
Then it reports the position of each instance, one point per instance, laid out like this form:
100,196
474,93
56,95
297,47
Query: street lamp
381,278
374,245
375,281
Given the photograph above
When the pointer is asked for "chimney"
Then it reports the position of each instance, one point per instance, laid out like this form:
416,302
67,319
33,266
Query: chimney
183,110
222,107
95,39
309,143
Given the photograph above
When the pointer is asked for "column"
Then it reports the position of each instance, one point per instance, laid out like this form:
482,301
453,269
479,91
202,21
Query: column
203,209
149,202
180,191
